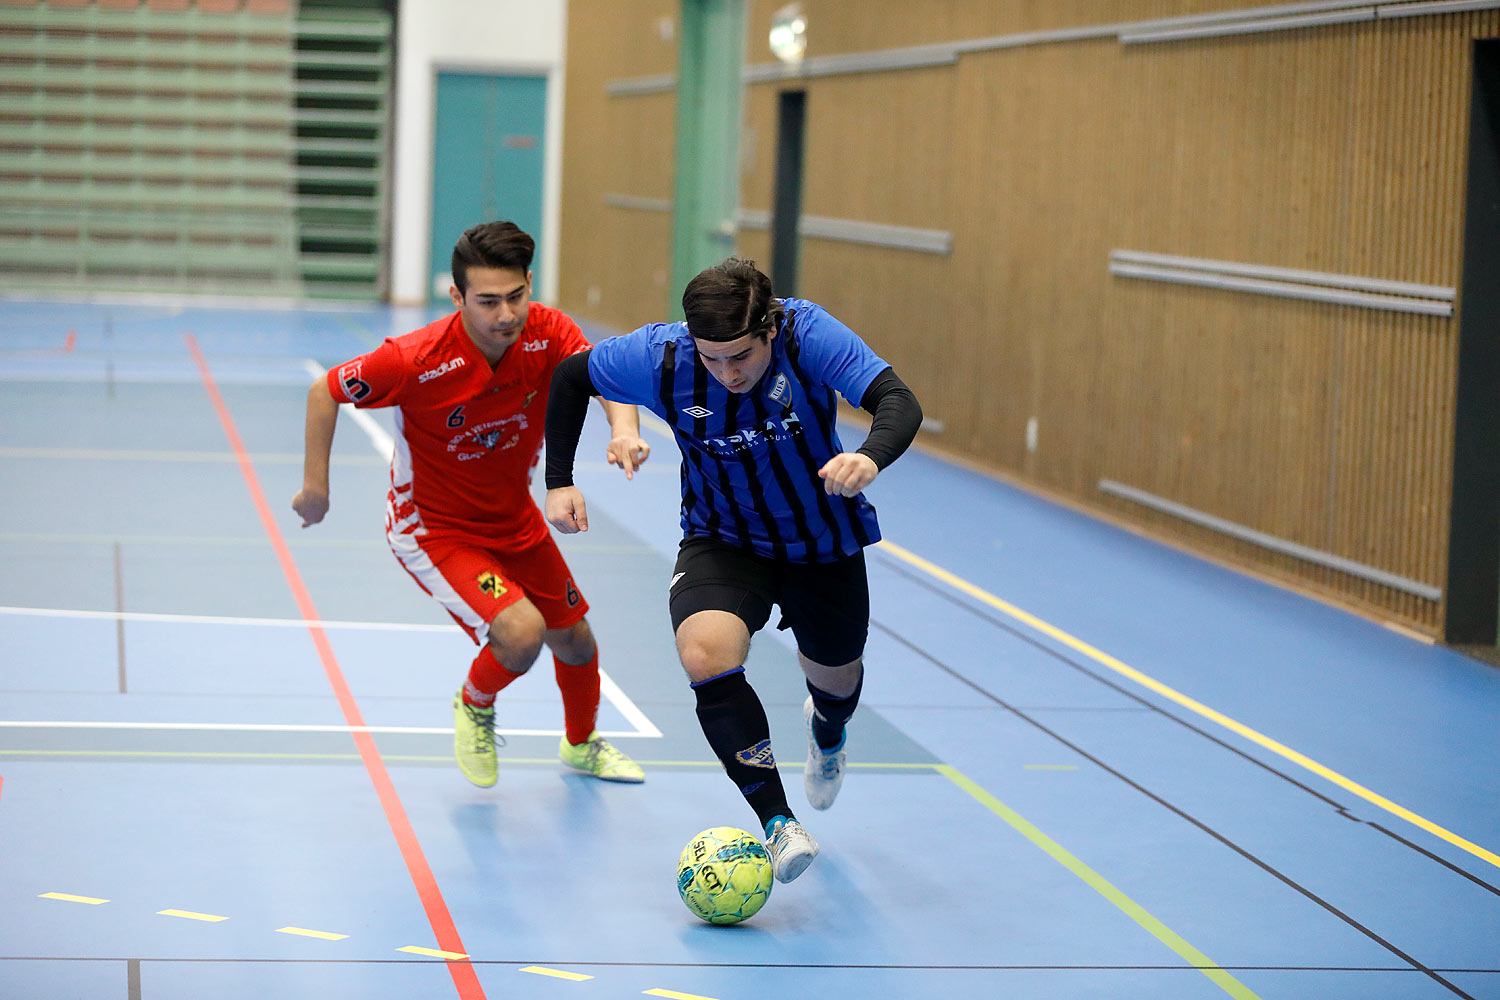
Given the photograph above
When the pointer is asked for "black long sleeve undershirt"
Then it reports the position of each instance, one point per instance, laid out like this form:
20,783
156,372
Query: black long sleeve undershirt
567,409
897,415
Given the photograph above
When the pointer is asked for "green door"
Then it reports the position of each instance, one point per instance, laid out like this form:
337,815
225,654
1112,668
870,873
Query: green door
486,160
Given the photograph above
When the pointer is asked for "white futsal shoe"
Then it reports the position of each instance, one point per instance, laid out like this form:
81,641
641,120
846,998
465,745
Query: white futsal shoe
824,773
790,846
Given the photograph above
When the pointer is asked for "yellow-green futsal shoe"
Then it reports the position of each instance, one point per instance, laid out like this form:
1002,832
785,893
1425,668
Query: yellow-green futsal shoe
474,741
597,756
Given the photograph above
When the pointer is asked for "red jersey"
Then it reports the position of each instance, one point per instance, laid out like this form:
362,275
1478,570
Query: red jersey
467,438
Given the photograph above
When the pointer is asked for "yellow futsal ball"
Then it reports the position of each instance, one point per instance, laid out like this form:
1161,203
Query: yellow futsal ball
724,875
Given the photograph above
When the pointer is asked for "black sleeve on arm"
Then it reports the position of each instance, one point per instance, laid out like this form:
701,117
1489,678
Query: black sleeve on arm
897,417
567,408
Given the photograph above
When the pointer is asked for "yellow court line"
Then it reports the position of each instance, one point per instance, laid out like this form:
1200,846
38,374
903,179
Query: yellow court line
432,952
304,932
1101,885
1151,683
674,995
576,977
66,898
190,915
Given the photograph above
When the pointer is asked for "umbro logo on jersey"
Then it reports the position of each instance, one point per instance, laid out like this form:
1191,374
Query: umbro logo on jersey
534,345
698,411
451,365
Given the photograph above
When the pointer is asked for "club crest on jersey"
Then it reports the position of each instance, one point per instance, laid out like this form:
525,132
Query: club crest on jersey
698,411
778,388
452,364
757,756
490,584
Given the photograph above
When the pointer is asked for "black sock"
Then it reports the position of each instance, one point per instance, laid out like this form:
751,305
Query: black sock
830,714
735,723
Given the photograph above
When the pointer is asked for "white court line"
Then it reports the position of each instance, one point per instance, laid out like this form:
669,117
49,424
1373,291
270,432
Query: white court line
607,686
267,727
147,616
385,445
139,455
626,707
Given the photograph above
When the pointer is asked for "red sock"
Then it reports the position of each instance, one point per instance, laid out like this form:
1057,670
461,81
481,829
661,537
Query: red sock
580,694
487,678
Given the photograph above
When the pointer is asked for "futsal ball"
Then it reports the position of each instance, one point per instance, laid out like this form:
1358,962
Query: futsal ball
724,875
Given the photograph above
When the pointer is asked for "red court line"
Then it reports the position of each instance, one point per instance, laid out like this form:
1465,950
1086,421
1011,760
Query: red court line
438,917
70,342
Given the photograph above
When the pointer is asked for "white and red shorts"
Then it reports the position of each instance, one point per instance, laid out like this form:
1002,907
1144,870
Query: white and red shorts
475,580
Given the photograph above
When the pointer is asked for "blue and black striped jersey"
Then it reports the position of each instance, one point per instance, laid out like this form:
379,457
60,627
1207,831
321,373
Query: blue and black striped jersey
750,460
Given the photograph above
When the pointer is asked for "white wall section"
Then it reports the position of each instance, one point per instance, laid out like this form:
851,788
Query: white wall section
496,36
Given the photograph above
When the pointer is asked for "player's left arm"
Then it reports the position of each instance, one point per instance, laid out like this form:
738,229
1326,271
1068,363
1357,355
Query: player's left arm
835,355
897,417
626,448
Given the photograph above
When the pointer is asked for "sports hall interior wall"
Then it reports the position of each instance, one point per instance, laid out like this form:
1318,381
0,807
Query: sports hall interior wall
192,146
1338,149
613,262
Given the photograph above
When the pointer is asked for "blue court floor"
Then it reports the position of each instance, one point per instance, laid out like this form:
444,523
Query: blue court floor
1086,765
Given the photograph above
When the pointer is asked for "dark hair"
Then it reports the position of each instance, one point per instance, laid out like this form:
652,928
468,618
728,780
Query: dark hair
491,244
729,300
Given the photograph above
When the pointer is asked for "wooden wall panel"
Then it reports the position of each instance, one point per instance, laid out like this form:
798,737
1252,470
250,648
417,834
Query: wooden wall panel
877,151
1338,149
838,27
613,261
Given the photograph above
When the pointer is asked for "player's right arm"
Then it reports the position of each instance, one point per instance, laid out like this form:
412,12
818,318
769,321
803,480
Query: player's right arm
311,502
374,379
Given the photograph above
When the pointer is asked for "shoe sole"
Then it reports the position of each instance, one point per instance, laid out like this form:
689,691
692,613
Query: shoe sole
621,778
793,867
474,781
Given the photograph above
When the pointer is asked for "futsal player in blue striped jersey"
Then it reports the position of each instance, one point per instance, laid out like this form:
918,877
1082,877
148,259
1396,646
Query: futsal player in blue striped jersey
772,509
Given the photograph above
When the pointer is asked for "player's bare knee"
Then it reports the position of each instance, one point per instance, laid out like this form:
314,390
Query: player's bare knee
574,644
711,642
516,636
841,681
705,654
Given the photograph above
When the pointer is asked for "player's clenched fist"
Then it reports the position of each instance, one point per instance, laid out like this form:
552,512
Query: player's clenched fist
847,473
310,505
565,510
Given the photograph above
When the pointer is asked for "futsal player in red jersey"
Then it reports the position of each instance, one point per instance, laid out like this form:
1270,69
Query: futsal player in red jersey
470,393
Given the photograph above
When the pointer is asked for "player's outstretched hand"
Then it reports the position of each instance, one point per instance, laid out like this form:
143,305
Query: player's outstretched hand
310,505
847,473
565,510
629,452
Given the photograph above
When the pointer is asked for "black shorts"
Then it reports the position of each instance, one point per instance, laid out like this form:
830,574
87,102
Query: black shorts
826,605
